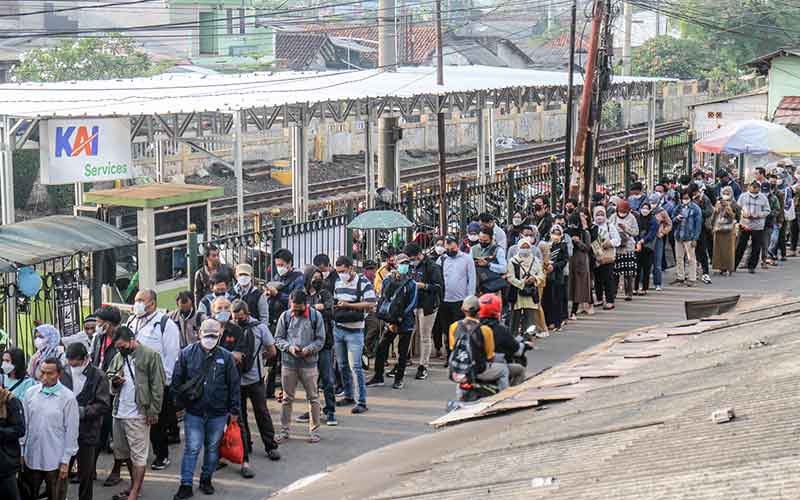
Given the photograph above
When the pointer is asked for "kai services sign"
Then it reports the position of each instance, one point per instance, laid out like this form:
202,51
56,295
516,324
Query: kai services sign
85,150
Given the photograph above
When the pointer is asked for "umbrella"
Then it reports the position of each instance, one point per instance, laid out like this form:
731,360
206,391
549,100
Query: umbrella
755,137
380,219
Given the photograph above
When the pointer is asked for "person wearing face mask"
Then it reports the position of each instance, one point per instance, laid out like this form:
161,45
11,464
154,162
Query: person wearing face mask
219,288
245,290
438,248
531,235
92,392
725,180
637,196
580,271
155,330
541,217
300,336
490,263
473,229
755,209
12,430
396,309
625,262
518,222
138,379
213,367
84,336
661,213
386,269
724,219
187,318
776,248
488,222
555,291
456,266
202,278
605,240
687,222
320,299
47,342
645,248
430,286
525,276
51,432
13,373
703,249
323,263
289,280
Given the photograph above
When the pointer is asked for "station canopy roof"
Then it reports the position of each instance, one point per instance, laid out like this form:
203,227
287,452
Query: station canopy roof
37,240
177,93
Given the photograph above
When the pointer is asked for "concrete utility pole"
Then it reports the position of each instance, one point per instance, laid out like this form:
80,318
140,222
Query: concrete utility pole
440,128
626,46
570,102
388,130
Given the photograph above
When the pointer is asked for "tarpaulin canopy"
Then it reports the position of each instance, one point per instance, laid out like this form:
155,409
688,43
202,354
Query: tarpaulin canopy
380,219
6,267
37,240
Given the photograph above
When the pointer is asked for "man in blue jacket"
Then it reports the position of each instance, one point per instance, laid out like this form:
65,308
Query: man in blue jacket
398,286
209,409
687,221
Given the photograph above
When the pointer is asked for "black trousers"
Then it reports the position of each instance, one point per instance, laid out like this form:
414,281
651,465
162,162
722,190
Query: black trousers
757,238
8,487
450,312
781,251
257,395
105,434
701,250
86,470
644,268
605,283
33,479
794,229
387,339
159,435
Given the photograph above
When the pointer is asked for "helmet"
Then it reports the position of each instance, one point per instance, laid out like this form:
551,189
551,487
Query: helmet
491,306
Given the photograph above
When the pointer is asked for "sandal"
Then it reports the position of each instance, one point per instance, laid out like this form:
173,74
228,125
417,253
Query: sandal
573,317
314,438
282,437
122,495
112,480
609,307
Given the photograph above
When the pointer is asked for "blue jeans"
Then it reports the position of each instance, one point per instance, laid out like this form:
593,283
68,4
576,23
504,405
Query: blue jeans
773,241
659,261
325,367
201,432
349,345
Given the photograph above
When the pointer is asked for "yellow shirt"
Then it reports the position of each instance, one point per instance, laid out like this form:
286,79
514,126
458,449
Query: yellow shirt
380,275
488,338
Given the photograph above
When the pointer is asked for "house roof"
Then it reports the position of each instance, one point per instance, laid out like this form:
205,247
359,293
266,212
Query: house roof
763,63
562,40
421,40
301,48
788,111
761,91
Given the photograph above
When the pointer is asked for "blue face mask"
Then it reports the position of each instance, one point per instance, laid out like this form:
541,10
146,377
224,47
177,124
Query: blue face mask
402,268
223,316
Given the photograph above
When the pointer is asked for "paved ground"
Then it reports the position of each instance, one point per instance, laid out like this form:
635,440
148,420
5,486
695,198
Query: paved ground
399,415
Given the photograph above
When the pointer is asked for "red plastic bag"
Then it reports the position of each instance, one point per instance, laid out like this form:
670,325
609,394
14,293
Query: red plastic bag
231,446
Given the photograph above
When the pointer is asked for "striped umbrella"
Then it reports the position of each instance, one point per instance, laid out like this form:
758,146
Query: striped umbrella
755,137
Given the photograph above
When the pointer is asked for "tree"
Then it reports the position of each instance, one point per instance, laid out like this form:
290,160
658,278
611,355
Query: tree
85,59
669,57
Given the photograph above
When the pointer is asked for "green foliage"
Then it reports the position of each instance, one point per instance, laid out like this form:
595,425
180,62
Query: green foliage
26,171
85,59
60,198
611,116
669,57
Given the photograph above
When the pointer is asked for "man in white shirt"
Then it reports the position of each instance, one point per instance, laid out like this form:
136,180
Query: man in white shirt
155,330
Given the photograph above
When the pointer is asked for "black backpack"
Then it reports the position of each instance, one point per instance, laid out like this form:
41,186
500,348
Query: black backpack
249,358
468,357
393,302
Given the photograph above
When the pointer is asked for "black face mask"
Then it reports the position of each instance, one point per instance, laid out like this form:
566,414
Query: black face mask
186,314
452,253
220,294
485,245
126,351
242,322
316,284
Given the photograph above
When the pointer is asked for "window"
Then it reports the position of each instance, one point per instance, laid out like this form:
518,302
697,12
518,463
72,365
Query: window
208,33
241,21
229,18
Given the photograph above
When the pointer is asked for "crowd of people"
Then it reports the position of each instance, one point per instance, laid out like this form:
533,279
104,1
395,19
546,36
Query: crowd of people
124,385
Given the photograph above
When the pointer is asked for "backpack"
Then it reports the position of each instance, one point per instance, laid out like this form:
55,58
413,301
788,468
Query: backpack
392,304
249,358
468,357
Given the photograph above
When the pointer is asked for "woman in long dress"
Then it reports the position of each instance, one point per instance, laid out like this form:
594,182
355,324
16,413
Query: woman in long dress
724,227
580,274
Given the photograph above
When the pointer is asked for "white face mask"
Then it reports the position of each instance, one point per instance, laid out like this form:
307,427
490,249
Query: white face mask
139,309
39,342
208,343
516,221
7,367
532,240
472,237
645,212
99,331
325,274
525,252
438,249
726,197
243,280
282,270
76,371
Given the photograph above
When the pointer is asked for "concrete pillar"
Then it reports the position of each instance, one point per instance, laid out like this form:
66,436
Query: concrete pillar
480,152
7,215
490,146
146,231
297,134
237,168
388,170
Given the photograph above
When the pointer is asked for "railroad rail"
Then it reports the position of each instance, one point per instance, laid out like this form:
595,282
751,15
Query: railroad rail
522,158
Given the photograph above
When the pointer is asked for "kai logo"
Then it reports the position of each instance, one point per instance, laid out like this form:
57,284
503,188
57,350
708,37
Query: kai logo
77,141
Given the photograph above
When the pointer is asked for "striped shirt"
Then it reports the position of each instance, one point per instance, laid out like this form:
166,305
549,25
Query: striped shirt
347,291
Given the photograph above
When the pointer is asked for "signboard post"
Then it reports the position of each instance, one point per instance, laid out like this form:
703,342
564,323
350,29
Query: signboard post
85,150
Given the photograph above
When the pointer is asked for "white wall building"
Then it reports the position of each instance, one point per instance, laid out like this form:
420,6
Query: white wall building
711,115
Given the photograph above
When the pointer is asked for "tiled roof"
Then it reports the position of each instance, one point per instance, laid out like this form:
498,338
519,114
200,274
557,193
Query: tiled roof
299,48
788,111
421,39
562,40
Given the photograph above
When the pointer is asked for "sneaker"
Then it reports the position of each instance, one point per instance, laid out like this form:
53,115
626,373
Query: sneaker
398,384
751,270
391,373
658,289
375,382
206,487
273,455
330,420
422,373
690,284
160,464
281,437
339,392
706,279
359,408
185,491
246,472
346,402
303,418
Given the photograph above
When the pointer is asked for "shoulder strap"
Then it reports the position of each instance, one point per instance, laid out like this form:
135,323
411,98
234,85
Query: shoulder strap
163,323
358,288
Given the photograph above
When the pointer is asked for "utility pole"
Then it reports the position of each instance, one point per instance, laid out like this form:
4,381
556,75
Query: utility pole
626,47
440,130
570,103
388,130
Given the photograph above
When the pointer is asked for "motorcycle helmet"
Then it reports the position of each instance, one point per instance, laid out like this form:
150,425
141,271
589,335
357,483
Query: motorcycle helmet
490,306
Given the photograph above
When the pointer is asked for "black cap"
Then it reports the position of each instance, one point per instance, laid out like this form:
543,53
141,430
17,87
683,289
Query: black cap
450,239
110,314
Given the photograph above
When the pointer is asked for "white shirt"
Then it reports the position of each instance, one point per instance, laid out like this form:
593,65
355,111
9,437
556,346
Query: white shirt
500,237
78,379
167,343
51,428
126,408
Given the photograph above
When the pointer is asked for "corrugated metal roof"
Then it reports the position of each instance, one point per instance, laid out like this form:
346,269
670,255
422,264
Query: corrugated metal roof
788,111
37,240
165,94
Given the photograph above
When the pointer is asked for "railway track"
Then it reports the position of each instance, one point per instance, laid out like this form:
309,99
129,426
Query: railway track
521,158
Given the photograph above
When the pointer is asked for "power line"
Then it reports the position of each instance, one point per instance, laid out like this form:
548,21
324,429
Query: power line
80,7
